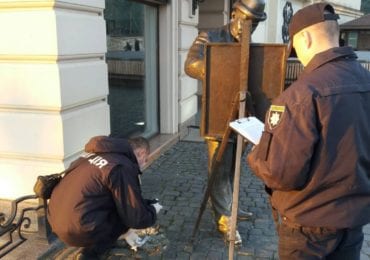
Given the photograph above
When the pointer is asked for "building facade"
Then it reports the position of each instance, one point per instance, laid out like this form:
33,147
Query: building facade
356,33
72,69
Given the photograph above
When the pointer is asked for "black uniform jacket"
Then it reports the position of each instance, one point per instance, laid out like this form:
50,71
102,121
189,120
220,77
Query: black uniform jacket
101,198
315,151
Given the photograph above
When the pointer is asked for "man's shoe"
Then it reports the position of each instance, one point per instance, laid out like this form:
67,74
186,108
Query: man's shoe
244,215
224,228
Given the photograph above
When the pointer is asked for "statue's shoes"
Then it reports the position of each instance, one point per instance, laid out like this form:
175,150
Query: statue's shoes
244,215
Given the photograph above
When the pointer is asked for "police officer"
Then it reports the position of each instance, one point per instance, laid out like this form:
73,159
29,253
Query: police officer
314,153
101,198
221,193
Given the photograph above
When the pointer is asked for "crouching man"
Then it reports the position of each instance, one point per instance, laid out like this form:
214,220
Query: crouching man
101,199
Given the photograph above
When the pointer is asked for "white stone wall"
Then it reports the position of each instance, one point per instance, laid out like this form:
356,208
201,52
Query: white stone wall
353,4
54,87
270,26
213,14
187,86
168,69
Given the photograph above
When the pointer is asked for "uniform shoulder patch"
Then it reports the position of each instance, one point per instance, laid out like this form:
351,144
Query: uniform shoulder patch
275,115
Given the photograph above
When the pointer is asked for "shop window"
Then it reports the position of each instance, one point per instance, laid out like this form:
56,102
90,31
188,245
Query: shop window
363,41
132,67
352,39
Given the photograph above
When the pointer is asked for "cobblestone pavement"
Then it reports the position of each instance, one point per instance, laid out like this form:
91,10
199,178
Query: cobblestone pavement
178,179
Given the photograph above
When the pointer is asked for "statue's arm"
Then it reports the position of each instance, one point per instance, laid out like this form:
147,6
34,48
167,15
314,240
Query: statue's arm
195,61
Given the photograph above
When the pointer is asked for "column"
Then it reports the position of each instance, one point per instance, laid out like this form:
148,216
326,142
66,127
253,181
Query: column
53,83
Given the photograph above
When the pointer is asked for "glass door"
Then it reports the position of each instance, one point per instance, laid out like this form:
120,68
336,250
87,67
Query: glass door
132,67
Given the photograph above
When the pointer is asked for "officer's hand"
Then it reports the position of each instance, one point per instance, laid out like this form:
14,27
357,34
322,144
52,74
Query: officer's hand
157,207
134,240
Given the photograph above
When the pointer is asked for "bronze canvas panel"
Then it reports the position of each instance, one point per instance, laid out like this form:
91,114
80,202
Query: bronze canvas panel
267,66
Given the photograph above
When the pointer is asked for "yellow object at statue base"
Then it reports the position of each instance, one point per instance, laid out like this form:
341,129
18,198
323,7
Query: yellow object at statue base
224,228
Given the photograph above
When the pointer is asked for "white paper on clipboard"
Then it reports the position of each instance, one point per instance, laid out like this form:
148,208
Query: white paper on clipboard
250,128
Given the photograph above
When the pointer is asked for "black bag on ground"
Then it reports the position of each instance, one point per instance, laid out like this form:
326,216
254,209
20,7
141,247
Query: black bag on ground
45,184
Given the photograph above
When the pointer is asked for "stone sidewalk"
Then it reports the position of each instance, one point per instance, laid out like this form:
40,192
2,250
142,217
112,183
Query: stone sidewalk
178,179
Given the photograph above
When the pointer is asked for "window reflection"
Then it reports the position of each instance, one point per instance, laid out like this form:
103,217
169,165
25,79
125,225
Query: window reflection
129,45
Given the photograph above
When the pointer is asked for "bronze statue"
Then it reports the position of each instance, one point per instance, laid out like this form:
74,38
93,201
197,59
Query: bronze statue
242,10
221,193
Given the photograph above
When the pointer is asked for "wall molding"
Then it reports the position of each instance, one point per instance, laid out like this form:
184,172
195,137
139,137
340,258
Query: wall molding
53,110
31,5
343,10
38,158
51,59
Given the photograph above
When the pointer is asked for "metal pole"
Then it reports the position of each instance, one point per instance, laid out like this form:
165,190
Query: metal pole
244,66
215,163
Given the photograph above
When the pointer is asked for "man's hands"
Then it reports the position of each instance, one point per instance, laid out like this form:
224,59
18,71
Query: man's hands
133,239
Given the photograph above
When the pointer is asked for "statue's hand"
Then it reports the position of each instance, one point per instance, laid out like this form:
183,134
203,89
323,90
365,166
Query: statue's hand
195,69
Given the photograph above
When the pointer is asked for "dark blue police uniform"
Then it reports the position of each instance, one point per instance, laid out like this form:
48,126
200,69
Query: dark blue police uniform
101,198
315,157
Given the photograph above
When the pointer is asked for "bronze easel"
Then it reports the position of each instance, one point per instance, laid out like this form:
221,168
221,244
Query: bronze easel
216,163
249,87
238,104
243,87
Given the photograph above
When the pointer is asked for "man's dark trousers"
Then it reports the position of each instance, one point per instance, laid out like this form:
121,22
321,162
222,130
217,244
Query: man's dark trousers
311,243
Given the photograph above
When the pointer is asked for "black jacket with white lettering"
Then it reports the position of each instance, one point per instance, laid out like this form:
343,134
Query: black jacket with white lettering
315,152
101,198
